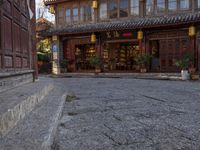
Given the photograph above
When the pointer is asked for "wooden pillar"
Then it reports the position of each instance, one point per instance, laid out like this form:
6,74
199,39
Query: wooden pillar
32,32
198,53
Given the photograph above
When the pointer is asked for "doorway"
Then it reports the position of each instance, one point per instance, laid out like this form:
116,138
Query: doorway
83,53
120,56
155,53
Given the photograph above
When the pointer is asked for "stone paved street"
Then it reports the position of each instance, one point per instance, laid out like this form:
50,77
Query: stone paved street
129,114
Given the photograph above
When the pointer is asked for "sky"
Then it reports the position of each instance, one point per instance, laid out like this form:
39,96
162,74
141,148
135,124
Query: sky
47,15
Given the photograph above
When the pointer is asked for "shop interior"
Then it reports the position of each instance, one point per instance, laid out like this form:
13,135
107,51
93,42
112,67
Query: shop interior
120,56
83,53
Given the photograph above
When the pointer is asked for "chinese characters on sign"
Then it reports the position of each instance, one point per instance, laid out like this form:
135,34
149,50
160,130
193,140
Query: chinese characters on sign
114,34
119,35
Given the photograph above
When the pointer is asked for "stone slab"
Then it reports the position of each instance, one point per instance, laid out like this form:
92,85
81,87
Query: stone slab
129,114
15,104
36,131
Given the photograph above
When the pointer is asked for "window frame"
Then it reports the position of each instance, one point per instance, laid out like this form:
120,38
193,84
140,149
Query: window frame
165,8
59,18
127,9
197,4
130,9
99,12
153,8
187,9
70,16
175,10
86,13
82,14
109,12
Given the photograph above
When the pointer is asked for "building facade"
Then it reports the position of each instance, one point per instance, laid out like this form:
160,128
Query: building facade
120,30
17,43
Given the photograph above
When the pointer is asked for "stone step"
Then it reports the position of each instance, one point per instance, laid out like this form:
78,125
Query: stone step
16,103
36,131
154,76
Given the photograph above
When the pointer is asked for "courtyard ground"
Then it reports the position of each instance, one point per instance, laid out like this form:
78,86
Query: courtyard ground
129,114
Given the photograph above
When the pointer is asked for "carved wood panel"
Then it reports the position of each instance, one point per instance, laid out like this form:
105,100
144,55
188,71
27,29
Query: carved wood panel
171,50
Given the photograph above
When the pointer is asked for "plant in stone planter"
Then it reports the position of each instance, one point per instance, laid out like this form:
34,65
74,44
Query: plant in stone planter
143,61
63,65
184,63
95,62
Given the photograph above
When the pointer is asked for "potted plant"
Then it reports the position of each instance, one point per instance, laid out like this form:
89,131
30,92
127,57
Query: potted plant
95,62
63,65
143,61
184,63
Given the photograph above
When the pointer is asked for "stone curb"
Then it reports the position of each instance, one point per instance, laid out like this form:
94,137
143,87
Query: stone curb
10,118
173,78
53,129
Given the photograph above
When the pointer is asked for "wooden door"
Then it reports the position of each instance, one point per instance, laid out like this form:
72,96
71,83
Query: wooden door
170,51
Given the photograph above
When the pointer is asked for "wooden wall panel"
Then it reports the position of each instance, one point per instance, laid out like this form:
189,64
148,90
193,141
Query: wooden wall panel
16,38
18,62
8,61
17,35
7,33
0,61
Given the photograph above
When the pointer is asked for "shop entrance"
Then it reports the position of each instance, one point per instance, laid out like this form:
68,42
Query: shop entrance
120,56
83,53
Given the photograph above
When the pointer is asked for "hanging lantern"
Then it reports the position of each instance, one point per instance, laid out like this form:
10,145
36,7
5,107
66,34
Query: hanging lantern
93,38
140,35
192,31
94,4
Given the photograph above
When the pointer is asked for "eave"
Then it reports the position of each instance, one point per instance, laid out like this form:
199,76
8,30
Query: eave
140,23
52,2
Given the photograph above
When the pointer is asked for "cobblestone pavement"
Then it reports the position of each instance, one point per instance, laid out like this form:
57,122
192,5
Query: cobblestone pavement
129,114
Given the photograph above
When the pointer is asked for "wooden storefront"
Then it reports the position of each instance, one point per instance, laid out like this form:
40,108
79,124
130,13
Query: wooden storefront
165,26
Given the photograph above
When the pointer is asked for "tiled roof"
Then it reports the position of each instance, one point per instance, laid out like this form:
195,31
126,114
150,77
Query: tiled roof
139,23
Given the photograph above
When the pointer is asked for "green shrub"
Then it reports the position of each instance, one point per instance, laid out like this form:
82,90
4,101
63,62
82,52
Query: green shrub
95,61
184,62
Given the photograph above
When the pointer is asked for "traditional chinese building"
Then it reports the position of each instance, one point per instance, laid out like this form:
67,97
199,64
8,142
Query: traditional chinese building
17,43
119,30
